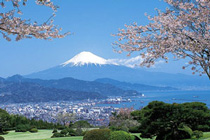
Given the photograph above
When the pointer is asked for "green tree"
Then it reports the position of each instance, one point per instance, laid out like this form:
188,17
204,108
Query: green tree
4,120
81,124
171,121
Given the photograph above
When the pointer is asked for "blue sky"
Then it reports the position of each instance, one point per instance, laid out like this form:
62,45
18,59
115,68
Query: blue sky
92,22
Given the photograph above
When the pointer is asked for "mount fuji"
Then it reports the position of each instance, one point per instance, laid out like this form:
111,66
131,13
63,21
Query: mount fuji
88,66
86,58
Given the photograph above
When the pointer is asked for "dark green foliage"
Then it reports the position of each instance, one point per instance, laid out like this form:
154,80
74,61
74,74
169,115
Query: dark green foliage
56,134
84,132
71,132
136,138
64,132
81,124
172,121
97,134
2,138
134,129
61,127
9,129
184,132
121,135
55,130
16,120
198,134
118,128
22,128
4,120
67,132
204,128
103,127
33,130
78,132
21,124
4,133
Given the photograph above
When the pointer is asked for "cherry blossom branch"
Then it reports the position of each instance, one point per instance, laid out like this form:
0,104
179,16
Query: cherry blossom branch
22,28
184,32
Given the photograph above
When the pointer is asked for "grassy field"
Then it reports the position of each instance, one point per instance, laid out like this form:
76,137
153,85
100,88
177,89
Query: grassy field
46,134
41,135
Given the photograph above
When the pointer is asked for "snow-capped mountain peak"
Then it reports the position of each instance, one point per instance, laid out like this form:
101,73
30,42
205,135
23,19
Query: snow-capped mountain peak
85,58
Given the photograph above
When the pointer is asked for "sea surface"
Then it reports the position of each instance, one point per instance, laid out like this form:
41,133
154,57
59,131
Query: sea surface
165,96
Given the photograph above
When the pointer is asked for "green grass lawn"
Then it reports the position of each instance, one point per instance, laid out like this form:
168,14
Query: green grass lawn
41,135
46,134
206,136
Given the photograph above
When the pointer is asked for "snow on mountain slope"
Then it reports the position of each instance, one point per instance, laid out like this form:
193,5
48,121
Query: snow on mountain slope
86,58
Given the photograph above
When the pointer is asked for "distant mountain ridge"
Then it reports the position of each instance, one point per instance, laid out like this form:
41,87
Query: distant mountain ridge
14,92
89,67
18,89
77,85
133,86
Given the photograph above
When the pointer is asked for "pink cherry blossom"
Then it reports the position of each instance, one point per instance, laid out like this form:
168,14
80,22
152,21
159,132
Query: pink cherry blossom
183,31
10,24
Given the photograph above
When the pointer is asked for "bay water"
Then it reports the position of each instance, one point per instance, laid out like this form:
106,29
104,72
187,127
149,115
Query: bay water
165,96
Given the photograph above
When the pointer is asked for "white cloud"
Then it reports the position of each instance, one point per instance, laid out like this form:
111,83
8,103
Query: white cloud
132,62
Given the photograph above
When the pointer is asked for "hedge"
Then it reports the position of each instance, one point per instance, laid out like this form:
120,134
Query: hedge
121,135
97,134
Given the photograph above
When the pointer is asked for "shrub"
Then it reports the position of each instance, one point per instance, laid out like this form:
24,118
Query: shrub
61,127
71,132
103,127
198,134
84,132
78,132
124,128
54,131
4,133
97,134
121,135
34,130
204,128
64,132
134,129
119,128
22,128
9,129
2,138
56,134
62,135
114,128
